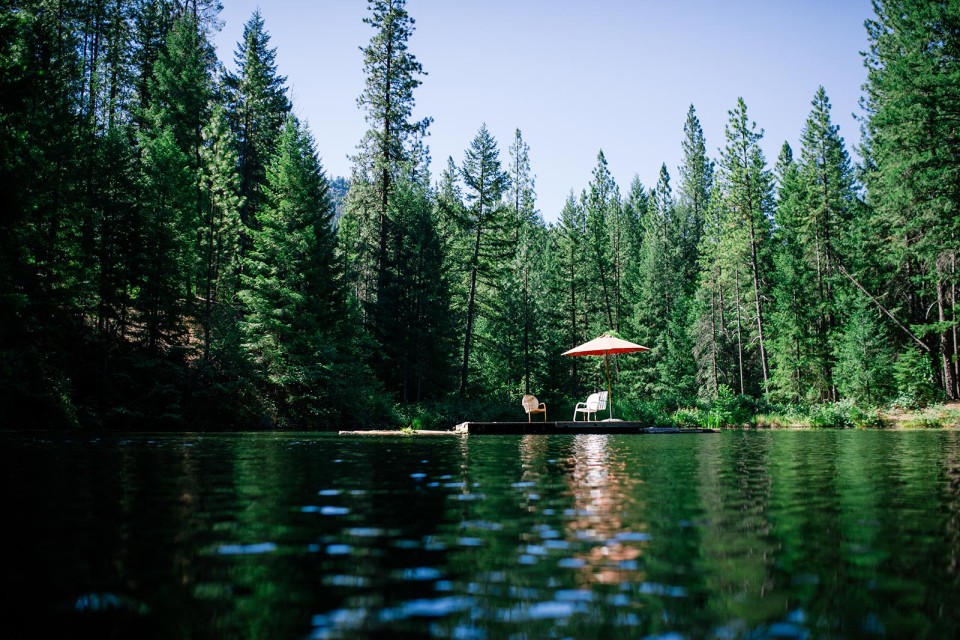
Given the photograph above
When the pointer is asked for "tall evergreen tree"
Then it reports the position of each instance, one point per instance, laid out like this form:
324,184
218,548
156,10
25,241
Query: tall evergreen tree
40,80
571,284
515,314
258,110
293,289
488,225
392,156
794,308
220,228
913,180
424,343
693,194
747,191
711,329
828,201
601,202
182,88
521,193
385,152
169,237
660,313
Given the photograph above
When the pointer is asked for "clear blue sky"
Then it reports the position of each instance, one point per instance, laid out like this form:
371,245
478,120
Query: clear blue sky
575,77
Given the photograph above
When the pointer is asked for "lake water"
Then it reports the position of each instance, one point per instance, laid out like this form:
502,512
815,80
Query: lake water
838,534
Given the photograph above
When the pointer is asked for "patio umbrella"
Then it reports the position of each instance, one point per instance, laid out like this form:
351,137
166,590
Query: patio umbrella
604,346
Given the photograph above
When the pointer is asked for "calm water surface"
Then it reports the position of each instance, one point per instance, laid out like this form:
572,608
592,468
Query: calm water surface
737,535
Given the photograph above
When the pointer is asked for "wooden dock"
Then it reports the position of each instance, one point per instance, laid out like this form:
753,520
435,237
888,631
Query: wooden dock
538,428
605,427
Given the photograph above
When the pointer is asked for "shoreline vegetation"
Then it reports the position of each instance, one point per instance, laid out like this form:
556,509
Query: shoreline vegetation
727,412
173,255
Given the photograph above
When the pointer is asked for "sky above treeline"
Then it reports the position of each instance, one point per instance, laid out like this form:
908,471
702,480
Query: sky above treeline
575,77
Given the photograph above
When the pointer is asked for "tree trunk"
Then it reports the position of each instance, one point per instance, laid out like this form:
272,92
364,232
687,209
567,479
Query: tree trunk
471,303
724,333
713,336
757,299
573,320
949,383
526,331
207,306
953,308
739,327
923,345
384,179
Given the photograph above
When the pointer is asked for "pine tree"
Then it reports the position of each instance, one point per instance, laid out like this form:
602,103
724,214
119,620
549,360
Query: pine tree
181,87
711,330
41,220
911,138
151,22
111,224
693,194
828,200
489,228
169,237
794,309
862,352
600,202
385,153
424,345
258,110
510,359
521,193
520,291
293,289
571,284
391,157
220,231
660,313
746,187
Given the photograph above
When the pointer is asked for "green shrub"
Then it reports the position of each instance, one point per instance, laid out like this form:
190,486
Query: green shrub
690,417
868,418
913,373
728,409
924,422
649,412
836,415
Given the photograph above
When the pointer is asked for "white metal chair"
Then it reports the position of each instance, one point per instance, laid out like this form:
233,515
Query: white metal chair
531,405
595,402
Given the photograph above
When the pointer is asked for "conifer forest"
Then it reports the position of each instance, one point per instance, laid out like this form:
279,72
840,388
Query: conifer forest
174,255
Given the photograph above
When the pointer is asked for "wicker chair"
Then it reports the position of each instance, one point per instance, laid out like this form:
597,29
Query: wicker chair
531,405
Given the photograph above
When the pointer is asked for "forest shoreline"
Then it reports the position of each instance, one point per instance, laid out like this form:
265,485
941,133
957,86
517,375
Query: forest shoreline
945,417
942,416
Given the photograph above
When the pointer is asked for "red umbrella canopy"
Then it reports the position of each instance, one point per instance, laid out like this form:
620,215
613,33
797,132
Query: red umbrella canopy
605,345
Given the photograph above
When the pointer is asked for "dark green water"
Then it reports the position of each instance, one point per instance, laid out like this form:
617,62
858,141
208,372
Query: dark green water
739,535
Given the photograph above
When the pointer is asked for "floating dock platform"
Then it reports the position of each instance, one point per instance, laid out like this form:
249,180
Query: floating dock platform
539,428
602,426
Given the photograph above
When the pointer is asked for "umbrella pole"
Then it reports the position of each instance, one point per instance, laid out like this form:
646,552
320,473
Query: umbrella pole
606,358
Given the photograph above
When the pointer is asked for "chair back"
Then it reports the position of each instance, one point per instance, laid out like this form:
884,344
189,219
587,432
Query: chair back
530,403
597,401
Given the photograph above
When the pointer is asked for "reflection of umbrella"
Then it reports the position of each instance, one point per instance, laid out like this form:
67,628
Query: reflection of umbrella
604,346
